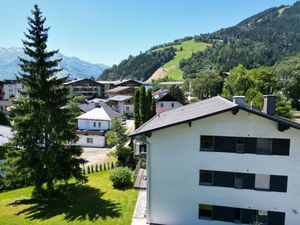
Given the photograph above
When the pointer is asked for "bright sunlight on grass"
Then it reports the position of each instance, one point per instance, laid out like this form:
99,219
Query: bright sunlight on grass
93,203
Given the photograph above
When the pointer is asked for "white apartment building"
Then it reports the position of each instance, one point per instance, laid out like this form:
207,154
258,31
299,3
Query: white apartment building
217,162
11,89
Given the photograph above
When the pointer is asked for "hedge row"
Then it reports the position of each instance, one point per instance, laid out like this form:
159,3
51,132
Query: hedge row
97,168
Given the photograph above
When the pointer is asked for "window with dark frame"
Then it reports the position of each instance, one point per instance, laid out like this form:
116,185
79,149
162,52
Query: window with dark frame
172,105
207,143
264,146
161,104
205,211
238,180
237,215
94,124
99,124
240,145
206,177
262,217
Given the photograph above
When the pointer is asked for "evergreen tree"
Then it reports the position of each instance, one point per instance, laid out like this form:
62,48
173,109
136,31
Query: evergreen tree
149,104
43,126
136,108
143,105
153,108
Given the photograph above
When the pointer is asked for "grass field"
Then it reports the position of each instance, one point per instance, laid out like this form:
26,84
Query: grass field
188,47
94,203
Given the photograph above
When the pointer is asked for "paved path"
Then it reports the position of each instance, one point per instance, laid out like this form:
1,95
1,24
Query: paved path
95,156
139,215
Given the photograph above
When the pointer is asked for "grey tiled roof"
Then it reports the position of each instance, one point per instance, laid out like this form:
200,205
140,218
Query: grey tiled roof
186,113
204,109
86,107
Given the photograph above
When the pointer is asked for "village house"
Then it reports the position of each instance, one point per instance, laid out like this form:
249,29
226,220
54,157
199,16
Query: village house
93,125
11,89
121,103
165,102
218,162
88,88
128,83
121,90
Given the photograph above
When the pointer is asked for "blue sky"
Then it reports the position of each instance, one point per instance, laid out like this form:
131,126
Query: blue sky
107,31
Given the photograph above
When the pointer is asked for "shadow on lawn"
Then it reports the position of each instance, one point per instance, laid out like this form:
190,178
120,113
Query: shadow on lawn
76,202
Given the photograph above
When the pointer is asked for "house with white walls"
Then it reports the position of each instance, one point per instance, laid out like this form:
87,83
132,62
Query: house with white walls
218,162
93,125
12,89
165,102
121,103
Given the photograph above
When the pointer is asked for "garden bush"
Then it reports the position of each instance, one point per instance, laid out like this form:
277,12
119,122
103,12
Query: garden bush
121,177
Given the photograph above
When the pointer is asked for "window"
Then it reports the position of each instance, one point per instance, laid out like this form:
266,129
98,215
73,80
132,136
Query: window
172,105
127,108
238,180
94,124
99,124
262,217
206,177
264,146
89,140
262,181
205,211
161,104
237,215
240,143
207,142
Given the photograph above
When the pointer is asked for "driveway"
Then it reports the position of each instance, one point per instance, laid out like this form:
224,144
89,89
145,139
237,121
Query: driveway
95,156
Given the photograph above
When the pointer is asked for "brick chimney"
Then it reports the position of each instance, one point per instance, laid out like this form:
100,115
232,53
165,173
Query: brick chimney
269,104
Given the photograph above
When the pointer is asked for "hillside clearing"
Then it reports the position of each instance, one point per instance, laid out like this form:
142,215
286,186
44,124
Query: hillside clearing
183,51
94,203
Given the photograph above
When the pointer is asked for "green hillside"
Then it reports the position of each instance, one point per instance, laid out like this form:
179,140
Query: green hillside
184,50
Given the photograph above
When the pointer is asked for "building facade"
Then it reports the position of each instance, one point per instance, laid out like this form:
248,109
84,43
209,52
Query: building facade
86,87
219,163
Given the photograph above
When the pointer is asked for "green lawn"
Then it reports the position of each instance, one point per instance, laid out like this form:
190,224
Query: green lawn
93,203
188,47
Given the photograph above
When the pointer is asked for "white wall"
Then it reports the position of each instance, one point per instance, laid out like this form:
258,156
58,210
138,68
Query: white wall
174,161
167,104
98,141
12,90
89,124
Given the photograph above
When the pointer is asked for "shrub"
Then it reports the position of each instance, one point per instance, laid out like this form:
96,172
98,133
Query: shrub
88,170
112,165
83,170
100,167
97,169
92,169
121,177
104,167
107,166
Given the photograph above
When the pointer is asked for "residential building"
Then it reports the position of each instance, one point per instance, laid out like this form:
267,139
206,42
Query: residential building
88,88
11,89
166,102
106,85
128,83
121,103
121,90
167,84
93,125
218,162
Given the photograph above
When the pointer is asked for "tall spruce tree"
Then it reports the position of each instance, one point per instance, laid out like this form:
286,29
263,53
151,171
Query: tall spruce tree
143,105
153,108
44,125
150,104
136,108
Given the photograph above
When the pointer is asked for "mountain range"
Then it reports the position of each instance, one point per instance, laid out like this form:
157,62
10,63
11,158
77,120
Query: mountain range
72,66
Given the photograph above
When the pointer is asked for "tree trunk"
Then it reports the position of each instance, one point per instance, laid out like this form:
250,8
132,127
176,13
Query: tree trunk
50,188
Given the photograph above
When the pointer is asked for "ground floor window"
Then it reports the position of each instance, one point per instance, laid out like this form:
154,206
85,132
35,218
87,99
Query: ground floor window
205,211
262,217
206,177
89,140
